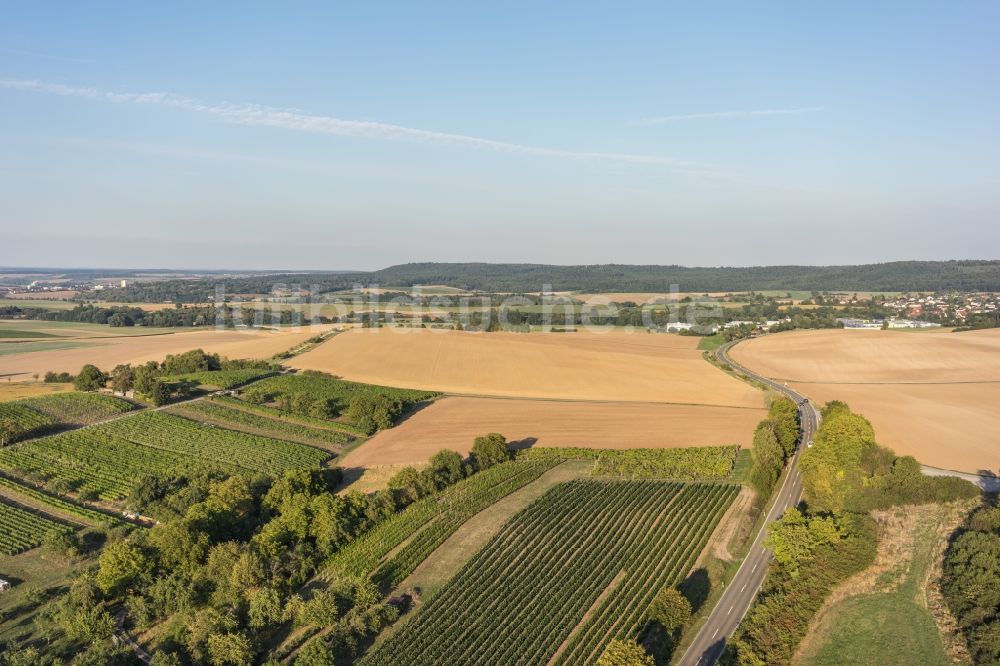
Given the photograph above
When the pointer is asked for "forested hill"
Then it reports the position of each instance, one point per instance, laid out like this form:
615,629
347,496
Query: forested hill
894,276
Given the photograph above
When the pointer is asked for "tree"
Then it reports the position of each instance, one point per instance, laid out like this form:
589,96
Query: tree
9,429
123,378
372,411
315,653
265,607
120,566
229,648
624,653
768,459
670,608
89,379
409,485
445,468
489,450
794,537
61,542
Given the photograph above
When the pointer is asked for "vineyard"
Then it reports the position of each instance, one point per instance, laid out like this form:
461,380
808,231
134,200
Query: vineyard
521,598
238,419
324,387
221,379
107,459
22,530
690,464
33,417
432,519
27,494
264,410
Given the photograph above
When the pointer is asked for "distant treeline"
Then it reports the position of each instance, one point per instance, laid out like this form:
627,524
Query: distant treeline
124,316
518,278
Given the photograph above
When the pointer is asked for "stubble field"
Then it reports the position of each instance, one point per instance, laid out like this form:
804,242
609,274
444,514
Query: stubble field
930,394
70,354
454,422
610,366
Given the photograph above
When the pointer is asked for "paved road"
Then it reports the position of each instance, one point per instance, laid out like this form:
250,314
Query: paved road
710,642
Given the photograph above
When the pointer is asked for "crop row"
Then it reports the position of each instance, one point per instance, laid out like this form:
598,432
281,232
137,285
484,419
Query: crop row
57,503
273,413
328,388
21,530
521,597
364,555
109,458
33,417
691,464
223,379
79,408
238,419
394,570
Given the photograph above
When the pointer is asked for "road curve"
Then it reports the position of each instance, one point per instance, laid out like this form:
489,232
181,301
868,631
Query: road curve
738,596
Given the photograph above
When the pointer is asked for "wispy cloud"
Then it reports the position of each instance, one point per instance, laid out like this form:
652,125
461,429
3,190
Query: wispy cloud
293,119
663,120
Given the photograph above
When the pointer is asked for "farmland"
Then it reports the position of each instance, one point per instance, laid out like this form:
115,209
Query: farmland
452,422
929,394
22,530
575,569
32,417
25,494
234,418
434,519
23,359
327,388
221,379
614,365
107,459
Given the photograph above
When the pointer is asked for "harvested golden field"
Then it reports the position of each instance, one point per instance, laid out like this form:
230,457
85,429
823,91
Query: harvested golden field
453,422
929,394
612,365
16,390
109,352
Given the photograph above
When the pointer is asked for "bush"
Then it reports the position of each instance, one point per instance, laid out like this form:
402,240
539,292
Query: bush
490,450
624,653
971,583
89,379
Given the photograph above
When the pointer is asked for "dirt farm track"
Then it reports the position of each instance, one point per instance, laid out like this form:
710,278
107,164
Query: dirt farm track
930,394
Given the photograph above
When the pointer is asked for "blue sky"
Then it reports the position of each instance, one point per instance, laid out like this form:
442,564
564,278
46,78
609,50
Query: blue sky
299,135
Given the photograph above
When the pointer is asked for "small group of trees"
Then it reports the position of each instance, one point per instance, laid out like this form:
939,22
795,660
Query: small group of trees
971,583
667,614
774,441
846,470
447,467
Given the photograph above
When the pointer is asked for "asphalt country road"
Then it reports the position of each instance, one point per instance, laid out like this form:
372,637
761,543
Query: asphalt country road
739,594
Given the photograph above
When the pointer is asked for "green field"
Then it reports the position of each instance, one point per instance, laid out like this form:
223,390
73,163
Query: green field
890,625
108,459
21,530
32,417
324,387
221,379
527,591
27,495
698,463
16,333
10,348
215,411
711,342
72,329
433,519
